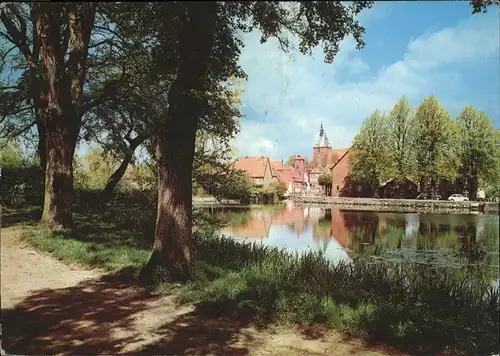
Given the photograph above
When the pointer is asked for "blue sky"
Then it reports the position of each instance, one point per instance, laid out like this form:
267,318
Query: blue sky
412,48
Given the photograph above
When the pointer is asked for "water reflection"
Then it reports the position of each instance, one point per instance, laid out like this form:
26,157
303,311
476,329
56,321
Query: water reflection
454,240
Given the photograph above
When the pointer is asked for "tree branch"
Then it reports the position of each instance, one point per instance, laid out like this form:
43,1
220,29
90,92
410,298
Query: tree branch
18,36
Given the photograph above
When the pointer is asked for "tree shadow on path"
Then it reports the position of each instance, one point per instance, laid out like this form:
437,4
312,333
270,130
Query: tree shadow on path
12,217
109,316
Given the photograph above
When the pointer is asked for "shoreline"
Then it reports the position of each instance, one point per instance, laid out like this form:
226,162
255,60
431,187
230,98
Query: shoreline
405,205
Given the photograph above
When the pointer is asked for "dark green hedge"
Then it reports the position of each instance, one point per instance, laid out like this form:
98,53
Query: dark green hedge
21,186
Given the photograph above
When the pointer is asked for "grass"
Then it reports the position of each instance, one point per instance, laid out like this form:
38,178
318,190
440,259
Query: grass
109,256
417,308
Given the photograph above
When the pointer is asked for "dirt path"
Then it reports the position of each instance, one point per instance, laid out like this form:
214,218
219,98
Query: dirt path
52,308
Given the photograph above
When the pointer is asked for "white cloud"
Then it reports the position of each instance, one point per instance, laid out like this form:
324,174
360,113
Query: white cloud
292,97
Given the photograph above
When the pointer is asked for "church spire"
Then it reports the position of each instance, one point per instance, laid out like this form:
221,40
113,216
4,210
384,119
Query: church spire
322,139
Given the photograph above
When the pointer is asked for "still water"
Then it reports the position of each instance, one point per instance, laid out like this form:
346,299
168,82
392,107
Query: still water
451,240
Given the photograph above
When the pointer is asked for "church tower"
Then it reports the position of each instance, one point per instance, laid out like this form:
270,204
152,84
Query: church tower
321,147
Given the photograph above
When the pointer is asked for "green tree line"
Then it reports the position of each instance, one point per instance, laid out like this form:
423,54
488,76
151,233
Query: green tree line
426,145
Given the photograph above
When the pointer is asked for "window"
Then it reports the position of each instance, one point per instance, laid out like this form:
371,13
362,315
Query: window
360,188
338,188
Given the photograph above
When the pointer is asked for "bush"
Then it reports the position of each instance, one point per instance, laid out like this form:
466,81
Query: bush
21,186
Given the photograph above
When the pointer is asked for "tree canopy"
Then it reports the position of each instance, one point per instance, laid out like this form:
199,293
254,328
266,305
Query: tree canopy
428,146
371,156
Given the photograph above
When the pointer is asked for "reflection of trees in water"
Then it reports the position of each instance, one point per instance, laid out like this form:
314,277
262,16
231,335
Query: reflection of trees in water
479,247
328,215
362,227
451,240
440,247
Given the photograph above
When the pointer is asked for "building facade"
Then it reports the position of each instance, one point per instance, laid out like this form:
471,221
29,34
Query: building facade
298,179
258,169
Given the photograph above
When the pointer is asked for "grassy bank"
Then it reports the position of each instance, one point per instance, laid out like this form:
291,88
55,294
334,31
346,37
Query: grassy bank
416,308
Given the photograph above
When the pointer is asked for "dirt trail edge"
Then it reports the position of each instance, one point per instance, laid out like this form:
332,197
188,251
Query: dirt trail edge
51,308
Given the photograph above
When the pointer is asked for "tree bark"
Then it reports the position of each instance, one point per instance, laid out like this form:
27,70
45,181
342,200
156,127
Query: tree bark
42,149
59,98
472,188
58,190
175,142
117,175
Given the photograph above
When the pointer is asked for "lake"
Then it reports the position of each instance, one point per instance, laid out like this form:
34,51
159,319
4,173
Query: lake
455,240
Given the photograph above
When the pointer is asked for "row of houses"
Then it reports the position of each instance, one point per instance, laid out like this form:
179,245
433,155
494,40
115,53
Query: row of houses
303,180
263,171
298,179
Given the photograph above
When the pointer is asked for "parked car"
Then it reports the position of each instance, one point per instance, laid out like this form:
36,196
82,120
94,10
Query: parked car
457,197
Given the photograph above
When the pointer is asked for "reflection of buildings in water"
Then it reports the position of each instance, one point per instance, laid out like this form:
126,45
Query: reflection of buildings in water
257,226
330,232
322,233
315,213
253,229
412,224
339,230
291,217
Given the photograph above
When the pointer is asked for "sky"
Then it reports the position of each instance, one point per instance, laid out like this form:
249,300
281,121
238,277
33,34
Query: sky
412,48
415,48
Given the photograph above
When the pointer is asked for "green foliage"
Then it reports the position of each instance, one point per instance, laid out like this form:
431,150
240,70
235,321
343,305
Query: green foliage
481,6
140,176
401,125
290,162
478,151
427,146
270,193
277,188
325,179
80,173
213,170
435,142
370,155
12,155
93,170
21,186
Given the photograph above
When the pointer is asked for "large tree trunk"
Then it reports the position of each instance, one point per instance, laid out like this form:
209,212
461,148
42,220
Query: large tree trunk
57,67
59,99
58,190
433,188
117,175
175,141
42,152
472,188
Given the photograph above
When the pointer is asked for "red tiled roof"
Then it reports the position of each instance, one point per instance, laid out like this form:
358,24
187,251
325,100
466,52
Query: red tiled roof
338,153
276,165
342,155
255,167
340,170
286,175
